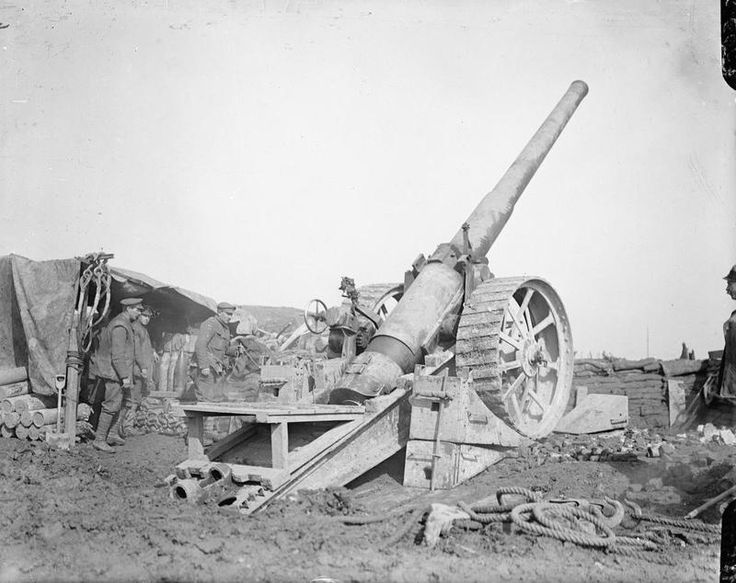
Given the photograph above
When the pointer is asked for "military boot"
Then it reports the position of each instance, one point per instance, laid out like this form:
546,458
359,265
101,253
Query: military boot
103,428
120,423
114,436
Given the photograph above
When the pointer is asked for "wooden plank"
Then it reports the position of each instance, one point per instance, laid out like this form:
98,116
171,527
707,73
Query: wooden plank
683,367
195,435
226,444
280,445
253,409
676,398
298,458
312,418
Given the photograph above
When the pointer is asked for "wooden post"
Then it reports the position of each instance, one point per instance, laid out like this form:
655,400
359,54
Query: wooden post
279,445
195,435
72,383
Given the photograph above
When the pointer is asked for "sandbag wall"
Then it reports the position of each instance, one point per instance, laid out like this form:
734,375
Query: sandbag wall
644,382
640,381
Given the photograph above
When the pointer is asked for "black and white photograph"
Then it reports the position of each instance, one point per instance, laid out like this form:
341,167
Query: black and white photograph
365,291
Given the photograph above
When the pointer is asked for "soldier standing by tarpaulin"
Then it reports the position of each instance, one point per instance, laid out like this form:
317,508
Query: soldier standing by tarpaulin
145,357
211,351
727,375
112,366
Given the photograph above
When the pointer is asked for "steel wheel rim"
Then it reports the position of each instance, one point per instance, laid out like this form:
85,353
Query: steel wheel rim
535,352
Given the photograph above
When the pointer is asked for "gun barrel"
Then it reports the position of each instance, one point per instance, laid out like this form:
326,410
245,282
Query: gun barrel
490,216
437,292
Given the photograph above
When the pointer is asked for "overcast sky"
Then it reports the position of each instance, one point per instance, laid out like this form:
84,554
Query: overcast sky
258,151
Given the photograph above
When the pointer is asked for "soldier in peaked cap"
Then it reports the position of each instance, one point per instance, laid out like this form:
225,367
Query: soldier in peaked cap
113,366
142,372
211,350
727,373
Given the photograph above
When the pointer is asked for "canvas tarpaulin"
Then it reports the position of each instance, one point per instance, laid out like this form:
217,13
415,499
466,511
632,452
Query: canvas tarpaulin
176,307
37,301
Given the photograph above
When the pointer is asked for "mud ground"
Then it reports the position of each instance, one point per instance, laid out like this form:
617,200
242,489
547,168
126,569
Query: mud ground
90,516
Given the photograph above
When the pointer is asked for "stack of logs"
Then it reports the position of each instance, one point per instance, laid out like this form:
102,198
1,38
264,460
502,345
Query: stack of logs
644,382
25,415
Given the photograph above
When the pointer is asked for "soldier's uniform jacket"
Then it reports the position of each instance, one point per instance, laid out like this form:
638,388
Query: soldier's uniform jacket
115,355
143,351
728,363
213,344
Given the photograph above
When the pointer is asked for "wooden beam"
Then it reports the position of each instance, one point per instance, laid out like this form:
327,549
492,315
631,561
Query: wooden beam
270,409
311,418
301,456
195,435
227,443
280,445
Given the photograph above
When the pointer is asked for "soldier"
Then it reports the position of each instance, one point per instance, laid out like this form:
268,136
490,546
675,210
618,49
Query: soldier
211,351
727,375
145,357
112,367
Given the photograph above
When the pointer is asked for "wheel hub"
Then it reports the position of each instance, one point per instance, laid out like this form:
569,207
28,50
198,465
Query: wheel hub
533,355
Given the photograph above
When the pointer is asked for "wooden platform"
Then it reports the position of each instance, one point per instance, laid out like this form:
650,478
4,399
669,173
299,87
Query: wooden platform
291,446
277,415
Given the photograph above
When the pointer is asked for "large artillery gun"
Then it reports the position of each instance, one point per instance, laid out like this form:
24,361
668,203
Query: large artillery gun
510,335
507,379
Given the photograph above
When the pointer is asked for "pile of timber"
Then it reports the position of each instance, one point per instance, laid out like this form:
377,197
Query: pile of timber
26,415
32,416
160,416
644,382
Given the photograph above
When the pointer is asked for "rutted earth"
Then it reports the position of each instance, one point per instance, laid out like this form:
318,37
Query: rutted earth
90,516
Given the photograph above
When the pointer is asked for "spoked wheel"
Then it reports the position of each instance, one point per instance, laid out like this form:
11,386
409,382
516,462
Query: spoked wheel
314,316
380,298
514,340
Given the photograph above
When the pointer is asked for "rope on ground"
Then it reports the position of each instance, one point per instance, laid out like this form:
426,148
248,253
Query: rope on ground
523,512
486,517
695,525
684,524
515,491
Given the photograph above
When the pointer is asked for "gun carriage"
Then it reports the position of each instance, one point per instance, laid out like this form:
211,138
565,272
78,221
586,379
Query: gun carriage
455,365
